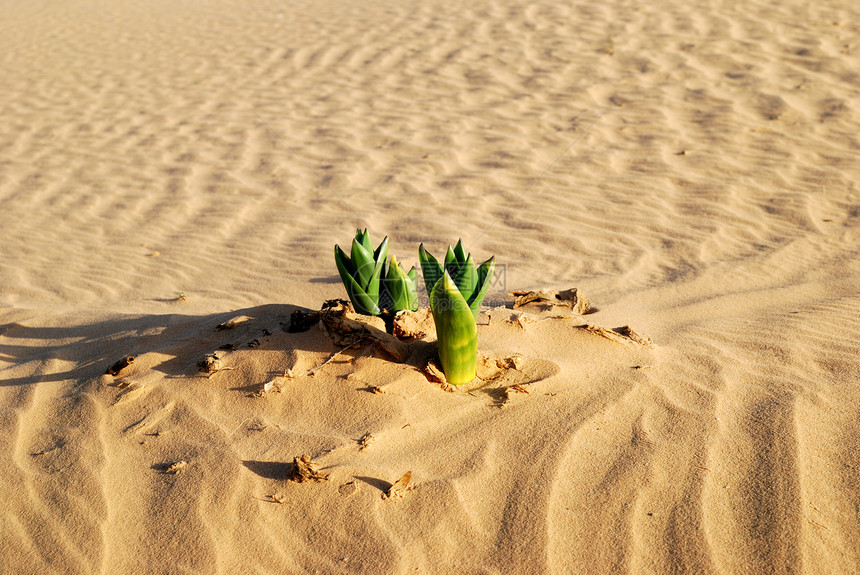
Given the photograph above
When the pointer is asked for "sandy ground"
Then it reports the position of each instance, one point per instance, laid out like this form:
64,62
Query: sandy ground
690,166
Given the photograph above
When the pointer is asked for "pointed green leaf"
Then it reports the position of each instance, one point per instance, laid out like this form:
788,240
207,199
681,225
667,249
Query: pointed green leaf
364,239
412,290
467,278
451,263
460,252
343,261
456,331
411,283
396,287
485,276
363,263
430,268
360,300
381,252
374,285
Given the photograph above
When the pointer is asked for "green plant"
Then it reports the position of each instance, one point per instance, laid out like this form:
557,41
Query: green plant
372,286
400,288
456,290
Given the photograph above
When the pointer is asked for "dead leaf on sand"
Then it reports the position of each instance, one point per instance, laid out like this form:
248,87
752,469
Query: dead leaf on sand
301,321
434,374
305,470
512,362
258,424
210,363
510,391
400,487
571,298
271,386
233,322
623,335
365,441
521,320
412,324
58,445
175,468
120,365
347,329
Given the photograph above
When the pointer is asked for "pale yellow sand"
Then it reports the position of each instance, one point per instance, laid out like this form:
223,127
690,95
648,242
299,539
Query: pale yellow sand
691,166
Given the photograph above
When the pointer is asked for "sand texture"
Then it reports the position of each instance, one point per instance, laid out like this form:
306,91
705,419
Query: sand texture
691,168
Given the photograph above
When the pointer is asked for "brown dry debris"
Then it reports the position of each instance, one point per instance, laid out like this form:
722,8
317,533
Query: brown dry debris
258,425
623,335
642,340
365,441
273,385
346,329
120,365
571,298
231,323
210,363
513,362
400,487
175,468
521,320
289,374
412,324
58,445
301,320
510,391
500,369
305,470
434,374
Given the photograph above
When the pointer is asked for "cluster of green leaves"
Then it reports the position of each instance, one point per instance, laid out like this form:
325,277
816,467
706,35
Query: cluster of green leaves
456,287
372,284
456,290
471,281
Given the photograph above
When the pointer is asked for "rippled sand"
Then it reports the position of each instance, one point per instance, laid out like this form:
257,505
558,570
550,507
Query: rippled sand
692,167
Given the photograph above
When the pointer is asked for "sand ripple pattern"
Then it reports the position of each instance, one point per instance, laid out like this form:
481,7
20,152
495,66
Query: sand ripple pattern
200,129
691,166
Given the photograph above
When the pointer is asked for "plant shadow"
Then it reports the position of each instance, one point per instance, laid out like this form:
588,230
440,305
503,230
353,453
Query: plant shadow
380,484
270,469
86,351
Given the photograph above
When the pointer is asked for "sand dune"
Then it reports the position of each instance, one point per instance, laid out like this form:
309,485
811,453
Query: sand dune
166,166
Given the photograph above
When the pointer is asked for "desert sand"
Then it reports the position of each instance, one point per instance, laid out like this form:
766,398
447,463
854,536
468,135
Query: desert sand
692,167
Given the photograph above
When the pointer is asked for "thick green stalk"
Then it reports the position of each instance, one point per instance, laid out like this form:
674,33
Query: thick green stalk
456,331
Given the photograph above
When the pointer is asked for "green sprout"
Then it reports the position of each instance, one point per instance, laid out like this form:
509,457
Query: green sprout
400,288
373,287
456,292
